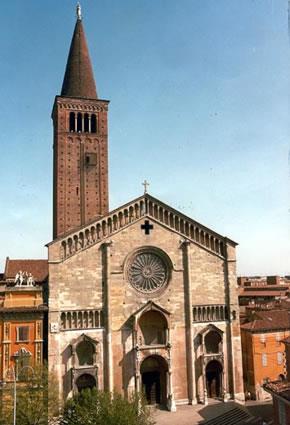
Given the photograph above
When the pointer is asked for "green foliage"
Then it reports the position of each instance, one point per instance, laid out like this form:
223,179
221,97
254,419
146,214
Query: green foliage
37,398
92,407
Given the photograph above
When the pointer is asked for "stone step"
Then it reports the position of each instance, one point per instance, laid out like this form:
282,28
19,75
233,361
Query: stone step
235,416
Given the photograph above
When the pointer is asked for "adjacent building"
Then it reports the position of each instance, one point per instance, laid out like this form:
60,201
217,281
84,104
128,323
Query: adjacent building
280,391
261,291
23,311
263,350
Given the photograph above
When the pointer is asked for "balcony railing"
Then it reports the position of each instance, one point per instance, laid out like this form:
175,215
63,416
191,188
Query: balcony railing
209,313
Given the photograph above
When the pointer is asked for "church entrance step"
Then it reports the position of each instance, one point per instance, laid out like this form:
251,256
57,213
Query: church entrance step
235,416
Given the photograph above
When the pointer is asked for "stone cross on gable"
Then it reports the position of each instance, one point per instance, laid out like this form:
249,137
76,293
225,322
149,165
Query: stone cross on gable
145,184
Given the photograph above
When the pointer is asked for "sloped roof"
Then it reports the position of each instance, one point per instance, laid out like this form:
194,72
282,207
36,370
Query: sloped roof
145,206
286,340
264,293
79,78
38,268
268,320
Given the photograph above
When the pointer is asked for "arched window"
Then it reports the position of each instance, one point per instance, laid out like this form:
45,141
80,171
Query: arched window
93,123
153,328
85,353
72,122
86,123
22,359
79,123
63,320
212,342
85,381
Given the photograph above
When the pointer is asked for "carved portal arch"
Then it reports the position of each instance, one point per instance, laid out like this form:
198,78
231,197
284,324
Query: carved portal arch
154,370
85,353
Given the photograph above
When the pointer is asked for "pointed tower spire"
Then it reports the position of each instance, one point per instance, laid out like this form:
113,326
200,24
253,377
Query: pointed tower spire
79,79
80,144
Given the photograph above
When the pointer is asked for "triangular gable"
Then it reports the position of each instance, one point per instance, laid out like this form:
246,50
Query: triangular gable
143,207
211,327
83,337
151,305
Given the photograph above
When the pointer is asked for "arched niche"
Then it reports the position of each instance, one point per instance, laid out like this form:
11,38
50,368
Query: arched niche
213,342
153,325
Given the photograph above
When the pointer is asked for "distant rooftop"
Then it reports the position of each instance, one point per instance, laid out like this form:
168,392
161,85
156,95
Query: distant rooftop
38,269
268,321
250,281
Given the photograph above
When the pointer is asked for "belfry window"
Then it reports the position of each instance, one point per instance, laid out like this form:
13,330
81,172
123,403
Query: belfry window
82,122
72,122
79,123
86,123
93,123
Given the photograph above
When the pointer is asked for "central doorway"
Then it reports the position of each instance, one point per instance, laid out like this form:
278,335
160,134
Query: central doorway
213,373
153,372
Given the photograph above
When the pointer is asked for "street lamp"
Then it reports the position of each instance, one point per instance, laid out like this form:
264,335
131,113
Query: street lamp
11,371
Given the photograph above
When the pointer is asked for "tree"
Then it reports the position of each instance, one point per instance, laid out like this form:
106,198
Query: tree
92,407
37,398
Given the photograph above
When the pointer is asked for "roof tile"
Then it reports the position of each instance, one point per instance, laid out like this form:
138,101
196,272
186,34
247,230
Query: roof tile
38,268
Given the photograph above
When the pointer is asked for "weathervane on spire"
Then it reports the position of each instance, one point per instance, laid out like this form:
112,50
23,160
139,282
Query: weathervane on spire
79,12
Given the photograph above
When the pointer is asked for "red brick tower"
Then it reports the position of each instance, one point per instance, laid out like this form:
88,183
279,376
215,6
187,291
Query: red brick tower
80,187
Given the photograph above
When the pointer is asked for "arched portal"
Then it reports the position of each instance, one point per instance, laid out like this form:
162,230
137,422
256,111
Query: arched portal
85,381
213,375
153,371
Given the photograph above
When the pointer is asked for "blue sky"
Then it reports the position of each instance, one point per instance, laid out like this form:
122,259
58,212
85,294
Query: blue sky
199,107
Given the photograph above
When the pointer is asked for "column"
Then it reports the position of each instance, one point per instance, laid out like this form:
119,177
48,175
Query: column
229,382
188,323
170,399
137,370
234,339
108,321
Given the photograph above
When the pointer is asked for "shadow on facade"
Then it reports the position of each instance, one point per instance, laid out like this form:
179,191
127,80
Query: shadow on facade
127,362
67,377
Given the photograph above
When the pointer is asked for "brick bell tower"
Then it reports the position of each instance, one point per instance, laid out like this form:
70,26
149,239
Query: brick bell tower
80,186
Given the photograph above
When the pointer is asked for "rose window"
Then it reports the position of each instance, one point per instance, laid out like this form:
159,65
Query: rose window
147,272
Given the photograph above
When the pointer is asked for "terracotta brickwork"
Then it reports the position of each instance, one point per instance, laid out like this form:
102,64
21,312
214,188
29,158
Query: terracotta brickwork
80,187
80,164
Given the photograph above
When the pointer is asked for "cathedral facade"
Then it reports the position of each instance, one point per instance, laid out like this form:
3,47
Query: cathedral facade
142,298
